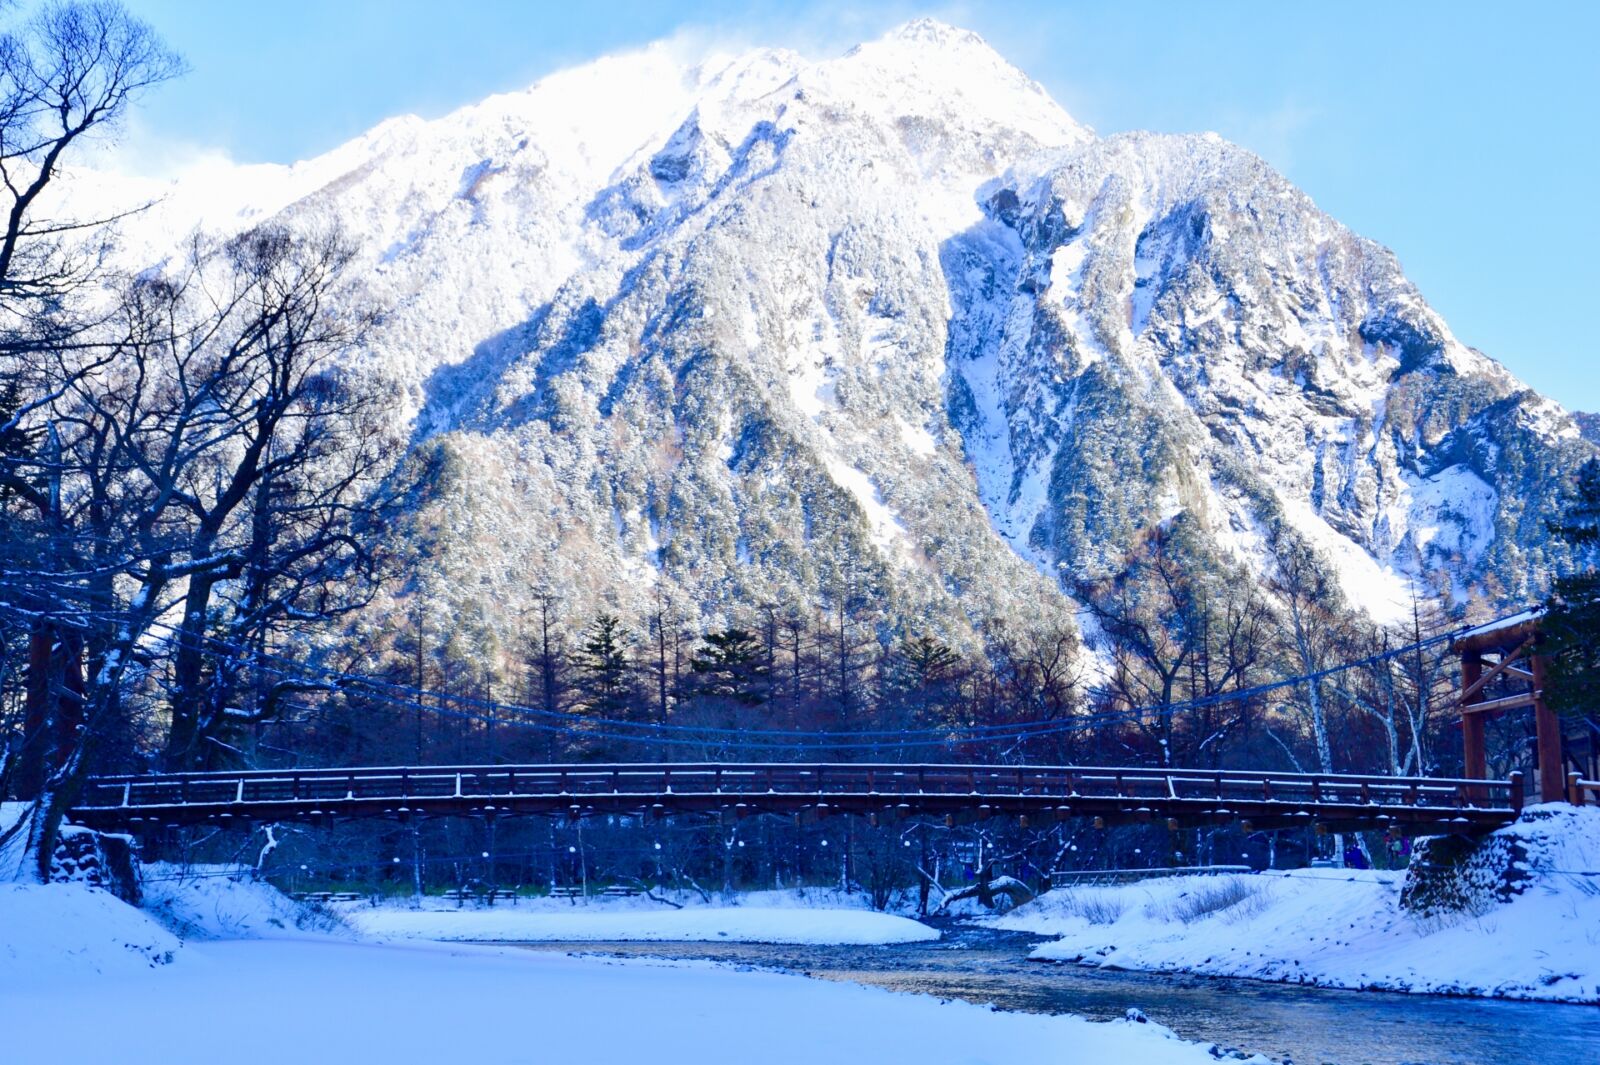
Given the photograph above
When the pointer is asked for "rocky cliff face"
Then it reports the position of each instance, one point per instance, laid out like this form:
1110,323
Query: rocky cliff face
1588,425
893,328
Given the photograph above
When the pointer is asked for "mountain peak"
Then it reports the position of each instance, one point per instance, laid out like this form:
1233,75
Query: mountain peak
931,31
895,313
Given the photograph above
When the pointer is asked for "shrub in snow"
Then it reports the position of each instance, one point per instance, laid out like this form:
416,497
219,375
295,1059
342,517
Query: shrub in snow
221,902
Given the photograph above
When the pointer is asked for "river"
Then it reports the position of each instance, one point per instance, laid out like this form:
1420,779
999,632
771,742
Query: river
1283,1021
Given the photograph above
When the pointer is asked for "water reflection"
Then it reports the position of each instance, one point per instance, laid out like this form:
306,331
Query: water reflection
1285,1022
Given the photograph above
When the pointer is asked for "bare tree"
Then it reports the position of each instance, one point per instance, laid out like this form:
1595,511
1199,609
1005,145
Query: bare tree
279,496
70,71
216,462
1315,632
1150,618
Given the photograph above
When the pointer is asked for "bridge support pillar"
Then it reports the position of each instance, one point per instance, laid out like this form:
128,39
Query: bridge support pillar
1474,756
1547,727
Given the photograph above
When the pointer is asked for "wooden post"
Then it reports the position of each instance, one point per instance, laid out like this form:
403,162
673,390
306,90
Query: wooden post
1516,791
1474,757
1548,729
1574,792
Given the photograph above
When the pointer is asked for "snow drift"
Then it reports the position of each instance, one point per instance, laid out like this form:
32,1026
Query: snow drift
1347,928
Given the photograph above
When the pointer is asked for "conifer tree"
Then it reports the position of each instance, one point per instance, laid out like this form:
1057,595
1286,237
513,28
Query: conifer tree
732,666
1572,625
602,662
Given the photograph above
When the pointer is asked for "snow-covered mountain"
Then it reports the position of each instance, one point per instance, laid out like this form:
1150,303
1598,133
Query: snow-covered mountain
759,329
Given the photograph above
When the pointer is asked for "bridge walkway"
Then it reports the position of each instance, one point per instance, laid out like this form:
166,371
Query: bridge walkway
1112,795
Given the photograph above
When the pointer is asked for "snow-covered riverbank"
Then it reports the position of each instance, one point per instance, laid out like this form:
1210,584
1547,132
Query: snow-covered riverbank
209,905
759,917
85,976
1346,928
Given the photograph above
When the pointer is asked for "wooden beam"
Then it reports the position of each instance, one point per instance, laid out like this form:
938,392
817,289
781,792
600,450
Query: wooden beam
1509,702
1500,667
1495,639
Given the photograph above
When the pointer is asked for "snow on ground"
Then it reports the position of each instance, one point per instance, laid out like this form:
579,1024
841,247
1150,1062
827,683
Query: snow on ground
212,903
812,916
741,924
1345,928
11,851
65,960
66,932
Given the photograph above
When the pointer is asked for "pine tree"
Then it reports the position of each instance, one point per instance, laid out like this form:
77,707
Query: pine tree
1572,624
732,666
924,679
603,667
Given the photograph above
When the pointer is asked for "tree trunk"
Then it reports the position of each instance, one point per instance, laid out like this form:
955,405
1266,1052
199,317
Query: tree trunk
188,673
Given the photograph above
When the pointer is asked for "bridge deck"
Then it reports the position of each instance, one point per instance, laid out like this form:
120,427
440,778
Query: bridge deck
1191,797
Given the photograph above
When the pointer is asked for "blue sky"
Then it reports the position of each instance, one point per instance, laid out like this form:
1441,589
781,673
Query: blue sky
1462,135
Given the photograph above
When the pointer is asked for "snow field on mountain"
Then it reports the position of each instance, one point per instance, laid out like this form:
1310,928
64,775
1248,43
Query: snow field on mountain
893,310
1345,928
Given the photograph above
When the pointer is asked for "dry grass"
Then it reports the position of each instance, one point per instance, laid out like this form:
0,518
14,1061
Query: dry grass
1236,896
1096,907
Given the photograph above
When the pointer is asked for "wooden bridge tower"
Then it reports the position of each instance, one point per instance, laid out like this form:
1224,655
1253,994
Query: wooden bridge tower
1503,659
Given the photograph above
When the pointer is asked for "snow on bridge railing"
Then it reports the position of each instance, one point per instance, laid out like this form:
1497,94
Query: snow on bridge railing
1579,789
791,778
1093,876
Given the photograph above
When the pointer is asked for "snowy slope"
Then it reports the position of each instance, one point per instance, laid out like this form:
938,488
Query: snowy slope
1345,928
762,328
68,932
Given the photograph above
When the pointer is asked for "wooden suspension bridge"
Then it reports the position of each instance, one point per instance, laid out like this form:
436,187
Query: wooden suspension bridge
1255,801
1501,671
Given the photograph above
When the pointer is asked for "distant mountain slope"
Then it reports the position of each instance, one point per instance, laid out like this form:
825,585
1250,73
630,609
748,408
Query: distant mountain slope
893,328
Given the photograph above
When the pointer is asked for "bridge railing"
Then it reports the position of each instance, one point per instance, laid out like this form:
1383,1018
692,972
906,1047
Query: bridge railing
818,779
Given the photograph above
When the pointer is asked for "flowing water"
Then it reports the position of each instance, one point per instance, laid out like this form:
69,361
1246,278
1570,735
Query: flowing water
1283,1021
